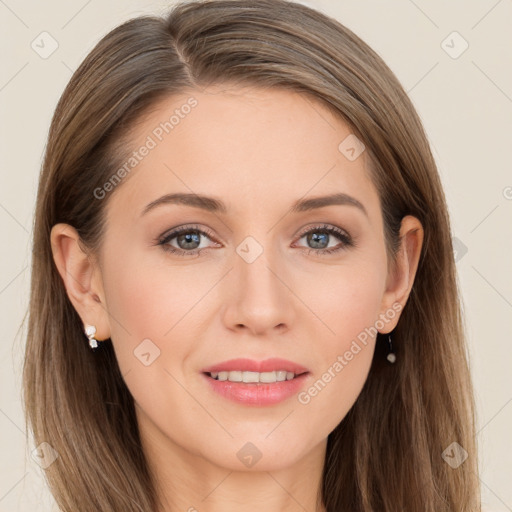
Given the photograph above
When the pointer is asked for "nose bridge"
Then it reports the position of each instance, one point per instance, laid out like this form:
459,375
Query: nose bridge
261,300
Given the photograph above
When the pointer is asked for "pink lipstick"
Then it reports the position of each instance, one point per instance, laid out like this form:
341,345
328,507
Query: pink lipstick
256,383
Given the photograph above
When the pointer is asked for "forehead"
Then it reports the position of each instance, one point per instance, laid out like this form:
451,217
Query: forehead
247,145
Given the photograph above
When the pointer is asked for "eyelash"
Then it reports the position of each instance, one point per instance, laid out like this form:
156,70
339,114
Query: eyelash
331,230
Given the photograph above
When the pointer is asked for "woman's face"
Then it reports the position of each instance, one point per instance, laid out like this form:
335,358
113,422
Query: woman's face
259,285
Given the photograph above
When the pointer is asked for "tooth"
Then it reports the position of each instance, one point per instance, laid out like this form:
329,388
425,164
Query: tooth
235,376
268,377
251,377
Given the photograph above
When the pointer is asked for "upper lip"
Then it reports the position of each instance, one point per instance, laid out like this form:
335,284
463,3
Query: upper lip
250,365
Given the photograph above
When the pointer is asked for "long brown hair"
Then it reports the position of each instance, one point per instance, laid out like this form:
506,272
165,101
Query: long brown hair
386,455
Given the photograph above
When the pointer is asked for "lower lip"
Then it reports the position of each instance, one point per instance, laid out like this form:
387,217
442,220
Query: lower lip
257,394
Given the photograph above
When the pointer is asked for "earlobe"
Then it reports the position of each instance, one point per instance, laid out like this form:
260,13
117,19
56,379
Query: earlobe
79,276
401,278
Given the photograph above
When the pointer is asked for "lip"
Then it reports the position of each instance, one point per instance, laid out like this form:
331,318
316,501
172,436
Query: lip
250,365
257,394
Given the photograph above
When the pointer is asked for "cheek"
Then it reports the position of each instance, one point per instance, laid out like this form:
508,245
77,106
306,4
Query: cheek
349,301
151,310
150,300
349,308
150,307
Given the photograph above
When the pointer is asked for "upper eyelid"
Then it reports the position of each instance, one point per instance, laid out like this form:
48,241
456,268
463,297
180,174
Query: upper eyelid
324,226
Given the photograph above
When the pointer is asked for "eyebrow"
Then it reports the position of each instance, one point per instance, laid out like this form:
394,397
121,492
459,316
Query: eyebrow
215,205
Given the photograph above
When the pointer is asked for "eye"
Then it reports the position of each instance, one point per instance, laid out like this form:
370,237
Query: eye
318,237
188,240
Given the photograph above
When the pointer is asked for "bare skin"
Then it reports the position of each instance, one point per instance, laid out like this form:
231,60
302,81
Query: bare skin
258,151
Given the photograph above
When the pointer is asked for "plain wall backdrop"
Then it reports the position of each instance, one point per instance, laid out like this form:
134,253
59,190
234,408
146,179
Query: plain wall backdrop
455,61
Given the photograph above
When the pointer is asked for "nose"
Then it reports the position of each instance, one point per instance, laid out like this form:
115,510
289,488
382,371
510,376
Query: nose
260,298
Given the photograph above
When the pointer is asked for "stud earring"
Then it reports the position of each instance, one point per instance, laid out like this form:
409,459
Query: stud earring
391,357
90,331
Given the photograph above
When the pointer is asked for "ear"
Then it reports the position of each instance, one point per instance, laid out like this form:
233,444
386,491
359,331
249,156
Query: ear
401,275
81,277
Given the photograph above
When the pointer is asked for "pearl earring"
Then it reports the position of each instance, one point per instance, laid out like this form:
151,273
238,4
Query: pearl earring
391,357
90,331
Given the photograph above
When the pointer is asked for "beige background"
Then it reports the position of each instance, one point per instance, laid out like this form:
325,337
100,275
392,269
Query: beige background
464,102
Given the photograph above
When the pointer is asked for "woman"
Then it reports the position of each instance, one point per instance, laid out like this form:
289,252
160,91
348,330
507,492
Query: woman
243,285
